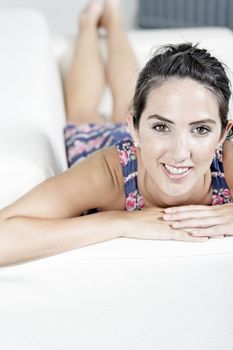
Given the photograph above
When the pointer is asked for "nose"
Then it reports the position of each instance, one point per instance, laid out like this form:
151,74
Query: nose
180,149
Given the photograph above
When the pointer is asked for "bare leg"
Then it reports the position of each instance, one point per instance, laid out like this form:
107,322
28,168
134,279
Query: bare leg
86,77
122,68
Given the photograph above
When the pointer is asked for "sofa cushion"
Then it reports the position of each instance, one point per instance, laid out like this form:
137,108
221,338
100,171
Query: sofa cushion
26,159
31,91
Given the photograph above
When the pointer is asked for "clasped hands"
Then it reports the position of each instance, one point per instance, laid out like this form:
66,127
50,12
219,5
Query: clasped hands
202,220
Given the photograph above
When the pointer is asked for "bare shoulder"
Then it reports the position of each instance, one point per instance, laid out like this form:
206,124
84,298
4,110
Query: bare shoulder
105,172
95,182
228,163
100,176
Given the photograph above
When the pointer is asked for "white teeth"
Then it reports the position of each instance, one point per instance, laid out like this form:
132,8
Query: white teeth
173,170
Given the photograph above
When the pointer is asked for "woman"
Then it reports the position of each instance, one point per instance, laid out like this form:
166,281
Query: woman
164,180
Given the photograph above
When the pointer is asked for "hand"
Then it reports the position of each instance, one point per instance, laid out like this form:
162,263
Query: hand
149,224
202,220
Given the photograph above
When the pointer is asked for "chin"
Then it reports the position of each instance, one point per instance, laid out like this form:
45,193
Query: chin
176,192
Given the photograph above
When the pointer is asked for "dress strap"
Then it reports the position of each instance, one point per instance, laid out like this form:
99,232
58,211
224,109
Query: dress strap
128,158
220,191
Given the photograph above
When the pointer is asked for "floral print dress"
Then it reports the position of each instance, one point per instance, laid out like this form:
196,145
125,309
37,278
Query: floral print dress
85,139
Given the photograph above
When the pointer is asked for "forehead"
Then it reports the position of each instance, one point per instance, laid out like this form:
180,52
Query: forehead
183,99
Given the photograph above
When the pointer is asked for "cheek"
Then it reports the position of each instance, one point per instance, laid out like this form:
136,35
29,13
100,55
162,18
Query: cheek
204,156
204,148
152,151
151,146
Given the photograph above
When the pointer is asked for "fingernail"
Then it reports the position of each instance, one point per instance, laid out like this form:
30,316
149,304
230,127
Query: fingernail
167,217
168,210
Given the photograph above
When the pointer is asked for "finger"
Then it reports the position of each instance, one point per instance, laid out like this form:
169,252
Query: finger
212,231
190,230
197,223
182,208
188,215
194,207
184,236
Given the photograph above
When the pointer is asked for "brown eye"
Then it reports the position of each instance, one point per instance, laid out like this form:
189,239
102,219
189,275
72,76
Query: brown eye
162,128
202,130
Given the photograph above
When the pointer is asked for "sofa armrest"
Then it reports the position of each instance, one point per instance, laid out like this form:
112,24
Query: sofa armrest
26,159
31,90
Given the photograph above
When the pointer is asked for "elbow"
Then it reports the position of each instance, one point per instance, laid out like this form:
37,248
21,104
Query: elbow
7,245
4,251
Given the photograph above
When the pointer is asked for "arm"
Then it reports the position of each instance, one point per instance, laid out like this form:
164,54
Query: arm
23,239
47,221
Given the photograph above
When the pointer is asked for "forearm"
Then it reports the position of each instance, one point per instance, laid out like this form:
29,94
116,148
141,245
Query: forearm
24,239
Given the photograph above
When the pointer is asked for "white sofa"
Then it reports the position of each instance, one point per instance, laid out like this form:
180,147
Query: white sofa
122,294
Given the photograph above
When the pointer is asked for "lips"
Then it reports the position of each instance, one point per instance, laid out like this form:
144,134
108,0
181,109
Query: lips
176,172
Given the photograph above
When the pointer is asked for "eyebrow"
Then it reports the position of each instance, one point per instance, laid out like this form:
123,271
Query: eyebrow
156,116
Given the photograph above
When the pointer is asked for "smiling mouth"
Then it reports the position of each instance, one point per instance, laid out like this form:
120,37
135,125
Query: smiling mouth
176,172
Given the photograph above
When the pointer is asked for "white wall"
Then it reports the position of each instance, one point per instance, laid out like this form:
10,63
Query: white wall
62,14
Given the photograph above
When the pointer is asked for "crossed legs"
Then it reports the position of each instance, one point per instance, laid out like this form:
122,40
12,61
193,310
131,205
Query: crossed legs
88,74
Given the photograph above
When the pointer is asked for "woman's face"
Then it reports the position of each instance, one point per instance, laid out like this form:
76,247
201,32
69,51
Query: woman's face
178,133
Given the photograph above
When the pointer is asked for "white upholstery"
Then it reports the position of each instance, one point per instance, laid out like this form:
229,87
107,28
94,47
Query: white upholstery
26,159
122,294
31,104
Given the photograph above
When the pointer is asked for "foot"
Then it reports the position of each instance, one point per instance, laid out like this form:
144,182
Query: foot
91,14
111,13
